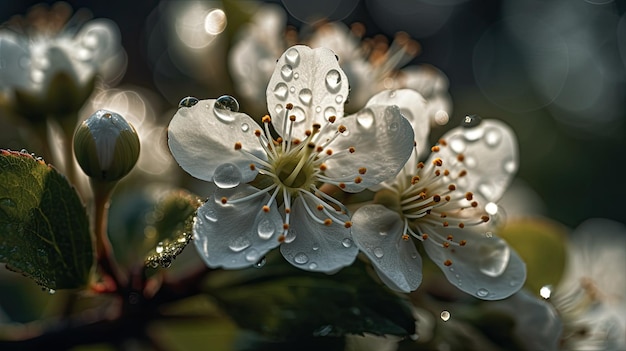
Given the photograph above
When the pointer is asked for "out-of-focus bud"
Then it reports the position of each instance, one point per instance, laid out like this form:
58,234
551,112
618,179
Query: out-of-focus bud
106,146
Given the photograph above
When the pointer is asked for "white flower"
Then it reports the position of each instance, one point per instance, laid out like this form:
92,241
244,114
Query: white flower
591,297
371,65
444,203
282,203
34,54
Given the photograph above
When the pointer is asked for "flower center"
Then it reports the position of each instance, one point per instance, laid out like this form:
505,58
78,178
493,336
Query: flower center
294,172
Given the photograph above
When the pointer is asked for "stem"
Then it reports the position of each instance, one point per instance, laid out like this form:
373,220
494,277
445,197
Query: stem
68,123
104,251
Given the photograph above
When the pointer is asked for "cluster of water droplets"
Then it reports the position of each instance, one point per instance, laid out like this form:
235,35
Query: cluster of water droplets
166,251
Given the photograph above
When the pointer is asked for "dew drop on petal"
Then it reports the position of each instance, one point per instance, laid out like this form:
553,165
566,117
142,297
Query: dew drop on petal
493,136
305,95
299,113
509,166
227,176
253,255
301,258
312,266
290,236
445,316
545,291
266,229
281,91
286,72
470,162
315,248
482,292
471,121
188,101
473,134
494,258
457,144
296,75
347,242
210,214
260,263
292,89
318,109
338,99
292,56
491,208
224,106
365,119
393,127
378,252
333,81
278,108
245,127
239,244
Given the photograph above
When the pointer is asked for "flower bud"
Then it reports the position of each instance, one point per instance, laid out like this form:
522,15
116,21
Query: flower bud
106,146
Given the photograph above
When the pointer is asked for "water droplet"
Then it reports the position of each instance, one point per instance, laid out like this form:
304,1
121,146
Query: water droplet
253,255
315,248
470,162
245,127
159,247
299,113
545,291
296,75
210,214
393,127
239,244
292,56
329,112
445,316
382,233
510,166
333,81
286,72
305,95
392,94
51,291
227,176
457,144
188,101
224,107
266,229
301,258
365,119
338,99
292,89
281,91
260,263
347,242
494,257
491,208
471,121
482,292
318,109
312,266
473,134
290,236
378,252
493,136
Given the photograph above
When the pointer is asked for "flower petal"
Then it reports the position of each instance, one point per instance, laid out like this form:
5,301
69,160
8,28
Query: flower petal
485,266
413,107
13,73
377,231
201,140
383,141
317,247
239,235
490,157
313,82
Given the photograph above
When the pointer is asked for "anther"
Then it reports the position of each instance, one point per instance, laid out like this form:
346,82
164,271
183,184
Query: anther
469,196
463,173
252,167
266,209
285,226
450,237
447,198
238,146
443,215
320,207
437,173
323,167
461,225
434,148
447,263
405,237
351,149
358,180
289,106
329,152
308,132
423,195
257,133
452,187
332,119
287,210
424,236
445,244
224,200
474,204
438,162
436,198
328,222
445,224
420,165
342,185
414,180
462,242
292,118
310,145
460,157
347,224
281,238
342,128
266,119
484,218
295,141
446,172
319,149
443,142
362,170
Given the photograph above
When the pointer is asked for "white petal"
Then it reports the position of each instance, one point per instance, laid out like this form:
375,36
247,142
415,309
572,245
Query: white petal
413,107
486,267
239,235
201,141
383,142
490,157
313,82
378,231
14,72
318,247
425,79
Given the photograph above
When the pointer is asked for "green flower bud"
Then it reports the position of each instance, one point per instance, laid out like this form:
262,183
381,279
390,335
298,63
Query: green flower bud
106,146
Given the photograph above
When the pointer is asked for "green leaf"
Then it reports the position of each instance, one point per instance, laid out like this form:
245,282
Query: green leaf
284,303
542,245
44,229
169,227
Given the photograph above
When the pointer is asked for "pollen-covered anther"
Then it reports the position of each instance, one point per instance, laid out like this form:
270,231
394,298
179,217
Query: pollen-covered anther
445,224
362,170
462,173
461,225
452,187
308,132
285,226
442,142
347,224
341,128
447,197
420,165
292,118
436,198
287,210
469,196
351,149
289,106
310,145
424,236
252,167
484,218
414,180
447,263
281,238
446,172
437,173
316,126
279,140
358,180
332,119
329,152
320,207
443,215
437,162
463,242
423,195
319,149
266,208
405,237
450,238
266,119
342,185
460,157
224,200
434,148
257,133
295,141
474,204
328,222
445,244
238,146
323,167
